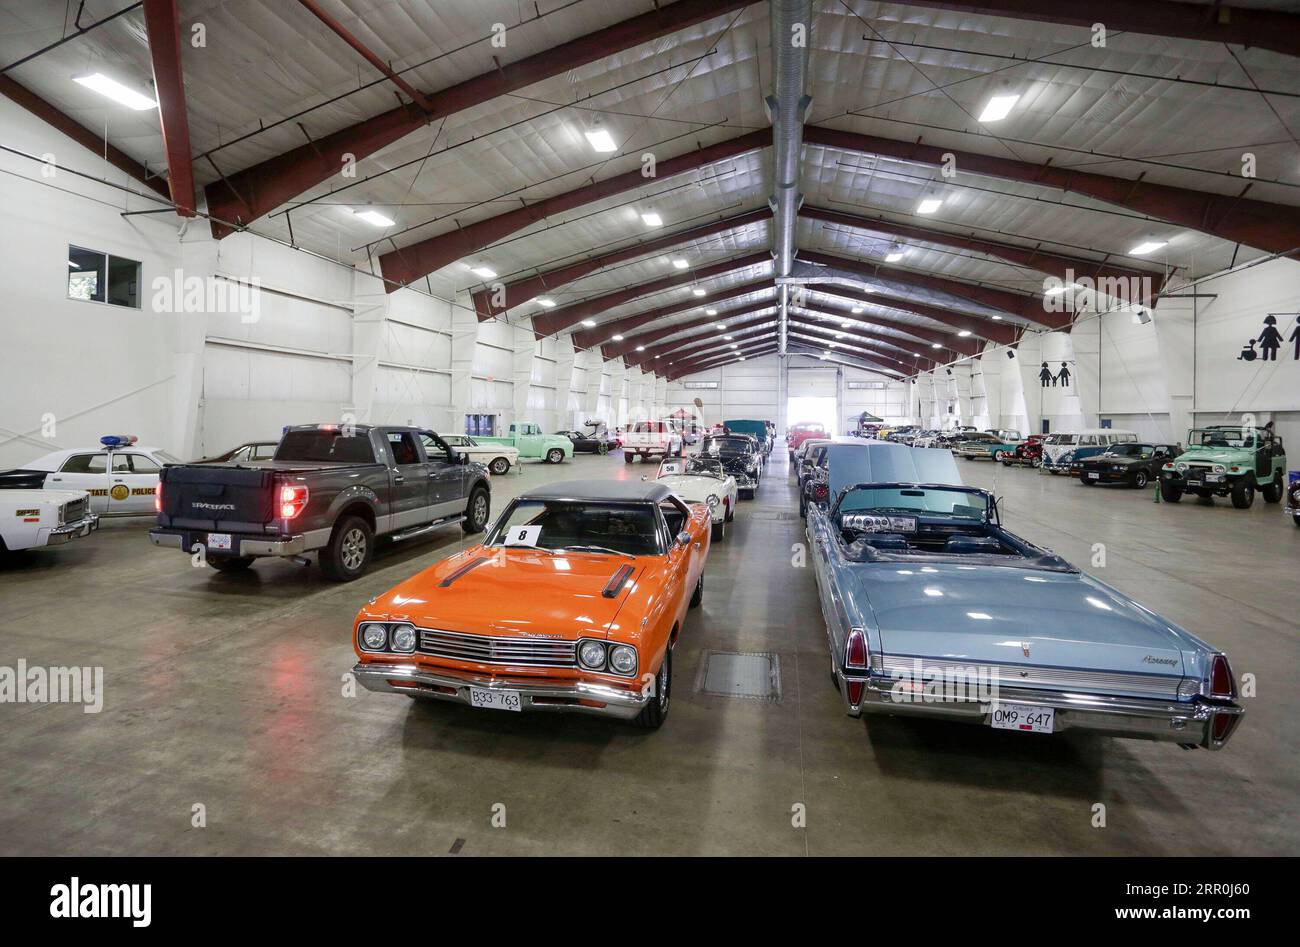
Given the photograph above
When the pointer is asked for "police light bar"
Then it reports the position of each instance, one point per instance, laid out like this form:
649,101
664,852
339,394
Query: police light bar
118,440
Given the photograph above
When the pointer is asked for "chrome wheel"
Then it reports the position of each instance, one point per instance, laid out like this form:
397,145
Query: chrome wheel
664,682
500,465
354,549
479,509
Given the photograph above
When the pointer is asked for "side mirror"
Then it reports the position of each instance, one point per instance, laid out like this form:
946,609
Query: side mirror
461,458
683,538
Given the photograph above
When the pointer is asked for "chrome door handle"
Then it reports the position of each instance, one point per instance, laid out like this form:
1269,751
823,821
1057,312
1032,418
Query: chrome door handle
398,478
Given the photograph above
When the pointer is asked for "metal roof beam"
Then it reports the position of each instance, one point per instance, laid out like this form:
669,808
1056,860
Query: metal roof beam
407,264
275,181
556,320
521,291
1216,23
1065,268
163,25
1274,228
624,326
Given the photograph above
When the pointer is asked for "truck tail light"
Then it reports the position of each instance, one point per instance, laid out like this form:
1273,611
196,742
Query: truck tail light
293,498
157,498
855,651
1221,683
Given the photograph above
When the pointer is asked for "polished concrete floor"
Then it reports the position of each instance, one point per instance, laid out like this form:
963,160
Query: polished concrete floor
227,692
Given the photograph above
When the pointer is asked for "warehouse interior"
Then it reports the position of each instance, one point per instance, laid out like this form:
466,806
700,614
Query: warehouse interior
222,218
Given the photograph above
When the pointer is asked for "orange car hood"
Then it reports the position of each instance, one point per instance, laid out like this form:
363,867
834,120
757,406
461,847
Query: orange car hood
516,593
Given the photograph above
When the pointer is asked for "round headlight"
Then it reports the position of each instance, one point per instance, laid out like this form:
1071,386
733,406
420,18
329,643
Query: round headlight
712,500
1219,468
1181,467
623,659
374,637
591,654
403,638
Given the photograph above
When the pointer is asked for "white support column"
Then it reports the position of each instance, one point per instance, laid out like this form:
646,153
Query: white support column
1175,325
464,338
370,311
618,390
188,337
565,362
595,375
525,347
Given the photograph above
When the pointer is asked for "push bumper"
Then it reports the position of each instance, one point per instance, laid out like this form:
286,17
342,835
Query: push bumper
564,696
242,544
1198,722
70,531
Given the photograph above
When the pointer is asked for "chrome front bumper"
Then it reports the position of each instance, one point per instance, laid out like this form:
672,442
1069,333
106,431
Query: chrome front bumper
535,694
70,531
1185,722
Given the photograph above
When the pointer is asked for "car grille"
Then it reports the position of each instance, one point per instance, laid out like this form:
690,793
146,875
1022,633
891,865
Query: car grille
74,510
486,649
1025,675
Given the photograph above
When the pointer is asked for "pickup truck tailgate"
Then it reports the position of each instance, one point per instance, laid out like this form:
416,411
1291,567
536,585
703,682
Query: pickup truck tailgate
207,496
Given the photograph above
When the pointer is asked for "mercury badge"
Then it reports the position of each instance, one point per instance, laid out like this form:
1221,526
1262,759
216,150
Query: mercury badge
1024,648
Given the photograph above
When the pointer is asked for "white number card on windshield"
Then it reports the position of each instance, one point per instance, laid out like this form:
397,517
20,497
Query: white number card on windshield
523,535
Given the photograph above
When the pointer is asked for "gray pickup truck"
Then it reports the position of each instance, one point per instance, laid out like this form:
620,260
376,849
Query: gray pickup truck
329,488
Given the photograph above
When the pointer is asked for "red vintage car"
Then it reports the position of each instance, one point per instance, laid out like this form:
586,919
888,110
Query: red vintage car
1028,454
799,433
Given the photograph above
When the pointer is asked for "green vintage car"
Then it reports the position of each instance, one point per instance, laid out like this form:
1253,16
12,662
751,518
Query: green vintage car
532,442
1227,460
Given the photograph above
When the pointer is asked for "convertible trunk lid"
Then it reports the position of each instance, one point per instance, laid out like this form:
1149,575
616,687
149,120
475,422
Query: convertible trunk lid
1019,619
516,593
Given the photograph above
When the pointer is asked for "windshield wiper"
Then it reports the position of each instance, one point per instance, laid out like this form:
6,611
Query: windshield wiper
544,549
612,552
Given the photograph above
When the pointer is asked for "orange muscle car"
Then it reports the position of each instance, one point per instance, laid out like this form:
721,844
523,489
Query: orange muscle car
573,602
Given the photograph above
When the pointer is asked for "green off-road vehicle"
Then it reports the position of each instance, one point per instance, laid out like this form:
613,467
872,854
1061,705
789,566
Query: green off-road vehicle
1227,460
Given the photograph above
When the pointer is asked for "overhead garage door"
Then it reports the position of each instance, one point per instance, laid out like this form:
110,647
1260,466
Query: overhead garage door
813,383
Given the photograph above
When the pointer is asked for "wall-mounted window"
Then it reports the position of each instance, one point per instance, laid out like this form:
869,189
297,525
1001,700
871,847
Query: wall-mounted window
864,385
103,278
481,425
699,385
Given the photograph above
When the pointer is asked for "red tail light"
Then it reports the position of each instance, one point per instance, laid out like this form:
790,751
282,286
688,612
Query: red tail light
157,498
821,491
1221,683
855,689
293,497
855,651
1221,726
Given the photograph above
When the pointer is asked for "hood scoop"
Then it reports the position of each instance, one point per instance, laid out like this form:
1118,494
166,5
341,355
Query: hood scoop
616,582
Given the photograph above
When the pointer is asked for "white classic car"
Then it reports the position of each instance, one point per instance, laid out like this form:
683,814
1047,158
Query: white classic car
498,457
699,479
32,518
120,477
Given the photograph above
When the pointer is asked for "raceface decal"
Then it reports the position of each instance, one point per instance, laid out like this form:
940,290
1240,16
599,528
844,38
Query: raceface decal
200,505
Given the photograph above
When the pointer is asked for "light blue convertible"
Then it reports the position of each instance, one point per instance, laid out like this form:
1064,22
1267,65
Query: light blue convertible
932,608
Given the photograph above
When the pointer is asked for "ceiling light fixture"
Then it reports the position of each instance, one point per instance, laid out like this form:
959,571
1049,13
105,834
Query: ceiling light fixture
722,327
589,323
896,252
997,318
697,292
481,271
374,218
964,333
999,107
929,205
548,303
601,140
640,348
112,89
1148,246
680,263
935,345
652,219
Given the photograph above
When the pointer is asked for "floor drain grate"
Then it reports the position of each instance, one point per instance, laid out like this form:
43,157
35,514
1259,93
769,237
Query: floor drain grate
755,675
